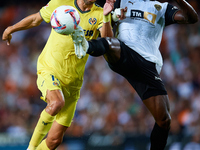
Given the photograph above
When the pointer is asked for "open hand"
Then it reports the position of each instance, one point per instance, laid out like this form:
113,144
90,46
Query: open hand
108,7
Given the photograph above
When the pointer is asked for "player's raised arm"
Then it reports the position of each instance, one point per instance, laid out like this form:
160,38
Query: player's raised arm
106,30
27,23
186,14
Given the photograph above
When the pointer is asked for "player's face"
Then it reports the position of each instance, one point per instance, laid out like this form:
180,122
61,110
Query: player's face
89,2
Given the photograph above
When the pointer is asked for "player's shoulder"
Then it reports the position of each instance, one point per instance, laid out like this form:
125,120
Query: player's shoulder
97,7
158,3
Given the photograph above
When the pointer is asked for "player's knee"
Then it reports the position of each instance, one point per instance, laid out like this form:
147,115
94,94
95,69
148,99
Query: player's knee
113,54
165,122
55,106
58,105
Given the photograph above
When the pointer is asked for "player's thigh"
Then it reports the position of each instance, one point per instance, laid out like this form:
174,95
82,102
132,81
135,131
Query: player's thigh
159,108
66,115
48,82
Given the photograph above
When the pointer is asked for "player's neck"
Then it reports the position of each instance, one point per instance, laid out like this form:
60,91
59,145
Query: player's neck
83,6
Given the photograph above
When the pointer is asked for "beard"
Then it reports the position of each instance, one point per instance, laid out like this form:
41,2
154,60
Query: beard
89,2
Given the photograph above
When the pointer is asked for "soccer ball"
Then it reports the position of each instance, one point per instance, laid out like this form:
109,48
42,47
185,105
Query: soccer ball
65,19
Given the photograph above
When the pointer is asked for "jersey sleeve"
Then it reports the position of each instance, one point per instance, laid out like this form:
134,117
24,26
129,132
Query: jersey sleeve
100,21
100,17
47,10
169,14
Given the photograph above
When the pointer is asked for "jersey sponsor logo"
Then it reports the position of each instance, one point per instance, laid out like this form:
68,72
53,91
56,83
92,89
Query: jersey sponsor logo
44,123
158,7
137,13
88,32
130,2
92,21
150,17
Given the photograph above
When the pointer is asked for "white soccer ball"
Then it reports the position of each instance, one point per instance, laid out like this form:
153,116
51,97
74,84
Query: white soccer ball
65,19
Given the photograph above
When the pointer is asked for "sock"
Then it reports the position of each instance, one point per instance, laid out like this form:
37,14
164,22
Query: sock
43,146
97,47
42,128
158,138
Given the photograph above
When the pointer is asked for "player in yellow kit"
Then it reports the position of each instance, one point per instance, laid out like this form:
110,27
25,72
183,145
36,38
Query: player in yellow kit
60,72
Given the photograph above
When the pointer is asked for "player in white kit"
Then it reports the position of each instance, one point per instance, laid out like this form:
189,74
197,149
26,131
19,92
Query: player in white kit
135,54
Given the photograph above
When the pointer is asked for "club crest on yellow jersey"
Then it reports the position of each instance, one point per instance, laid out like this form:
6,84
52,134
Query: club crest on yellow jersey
55,83
92,21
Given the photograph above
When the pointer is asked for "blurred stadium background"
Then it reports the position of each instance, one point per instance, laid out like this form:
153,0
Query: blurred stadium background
109,115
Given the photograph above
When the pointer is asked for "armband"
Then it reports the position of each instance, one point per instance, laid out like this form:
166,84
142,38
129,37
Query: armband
106,18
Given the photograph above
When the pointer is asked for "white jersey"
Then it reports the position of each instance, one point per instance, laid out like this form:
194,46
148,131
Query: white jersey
142,28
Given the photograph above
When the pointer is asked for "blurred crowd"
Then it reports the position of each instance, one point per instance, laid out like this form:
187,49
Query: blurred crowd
108,104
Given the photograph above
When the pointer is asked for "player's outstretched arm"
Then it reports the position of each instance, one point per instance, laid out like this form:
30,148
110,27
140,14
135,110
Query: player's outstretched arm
187,14
27,23
106,30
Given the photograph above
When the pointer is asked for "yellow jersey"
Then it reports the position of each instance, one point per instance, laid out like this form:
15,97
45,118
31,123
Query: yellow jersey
58,57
